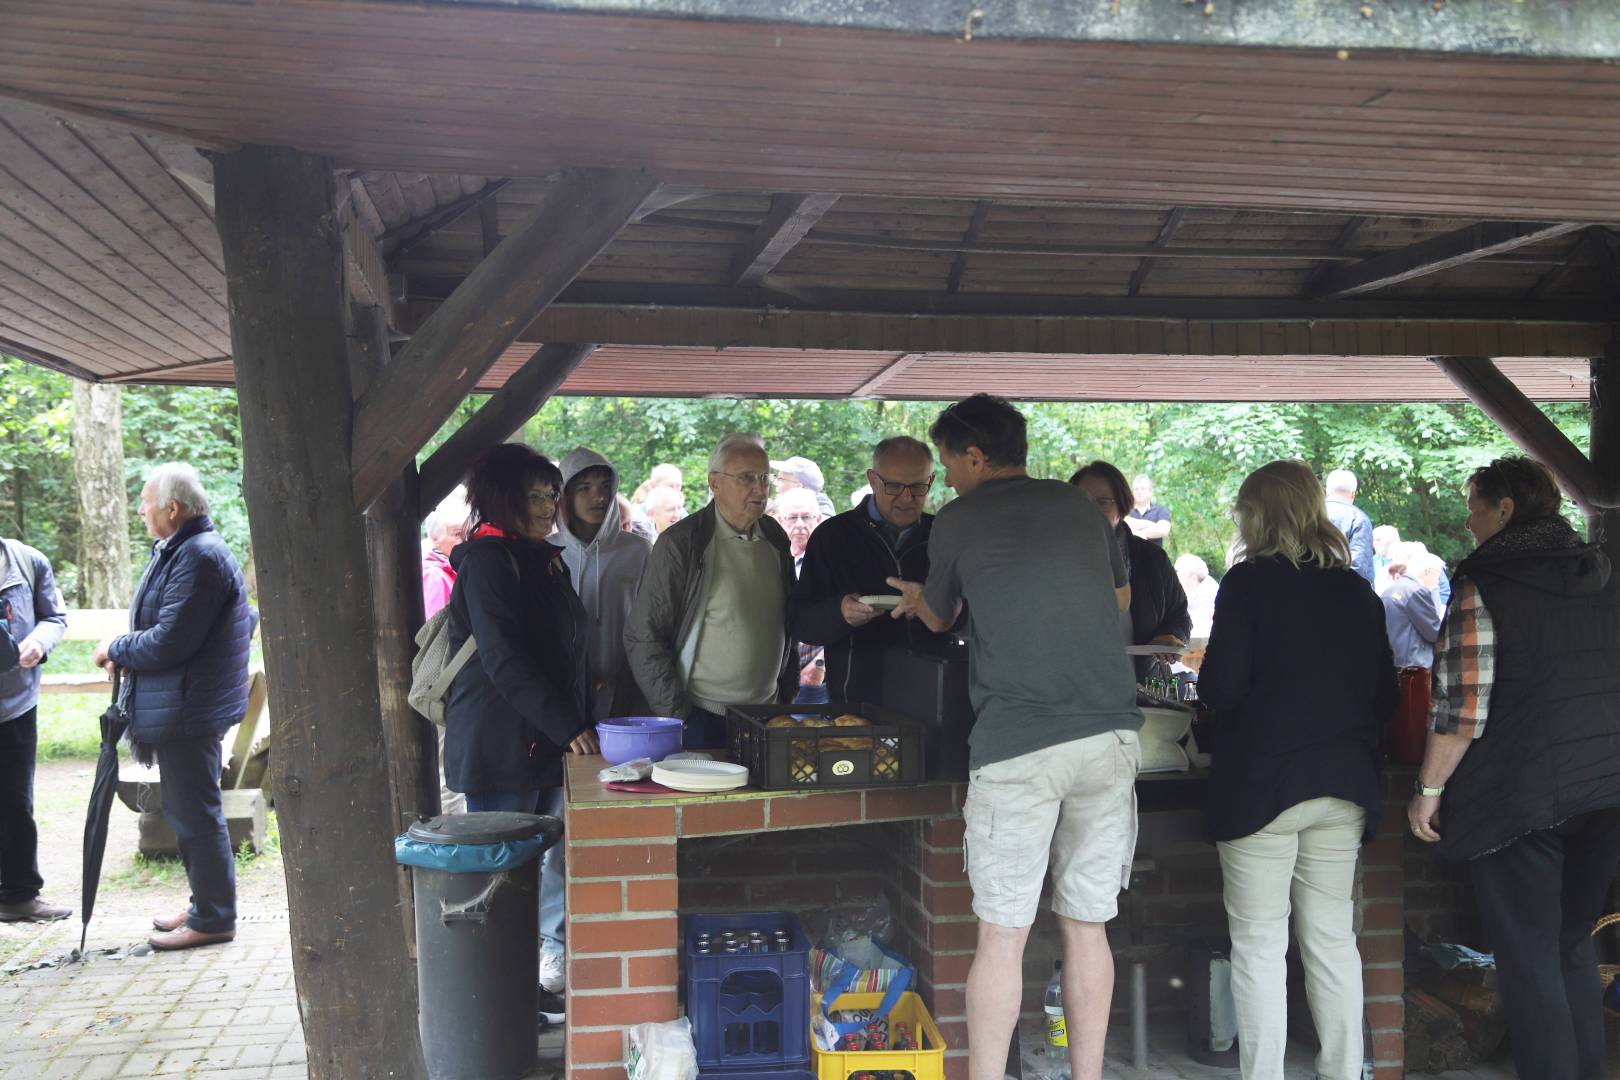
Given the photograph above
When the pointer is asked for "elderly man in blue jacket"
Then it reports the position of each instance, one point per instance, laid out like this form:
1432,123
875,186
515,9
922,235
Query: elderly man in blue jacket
187,657
31,624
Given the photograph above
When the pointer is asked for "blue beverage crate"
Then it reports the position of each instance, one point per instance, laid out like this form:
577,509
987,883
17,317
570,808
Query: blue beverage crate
749,1011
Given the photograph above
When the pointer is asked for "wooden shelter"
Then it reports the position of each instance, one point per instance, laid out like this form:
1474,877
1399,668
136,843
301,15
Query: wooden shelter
359,211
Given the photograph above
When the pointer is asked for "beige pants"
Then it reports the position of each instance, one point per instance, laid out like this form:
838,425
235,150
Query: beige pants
1307,855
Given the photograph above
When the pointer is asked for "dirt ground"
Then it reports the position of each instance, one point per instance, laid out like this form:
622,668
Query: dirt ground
129,886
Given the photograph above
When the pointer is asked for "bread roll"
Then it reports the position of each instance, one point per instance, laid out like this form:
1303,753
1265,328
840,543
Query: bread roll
781,721
857,742
816,721
851,720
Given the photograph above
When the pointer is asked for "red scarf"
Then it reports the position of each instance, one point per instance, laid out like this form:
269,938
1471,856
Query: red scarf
487,530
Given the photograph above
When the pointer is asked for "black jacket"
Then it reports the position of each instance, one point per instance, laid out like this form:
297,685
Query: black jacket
1300,676
525,695
848,554
1158,602
1551,746
190,632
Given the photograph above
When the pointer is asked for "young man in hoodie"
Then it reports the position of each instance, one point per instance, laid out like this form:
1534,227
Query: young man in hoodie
605,561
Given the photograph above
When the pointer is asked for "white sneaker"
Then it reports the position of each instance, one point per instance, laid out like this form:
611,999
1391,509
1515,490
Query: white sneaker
551,972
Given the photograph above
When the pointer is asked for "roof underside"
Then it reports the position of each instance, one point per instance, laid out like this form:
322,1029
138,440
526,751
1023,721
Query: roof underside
1043,219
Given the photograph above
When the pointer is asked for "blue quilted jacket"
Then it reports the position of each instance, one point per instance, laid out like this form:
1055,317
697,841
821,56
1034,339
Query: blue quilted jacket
190,627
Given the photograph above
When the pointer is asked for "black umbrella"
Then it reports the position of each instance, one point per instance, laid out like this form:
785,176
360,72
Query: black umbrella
113,724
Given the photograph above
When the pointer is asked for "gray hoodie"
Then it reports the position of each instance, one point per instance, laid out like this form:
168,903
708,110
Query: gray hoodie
606,572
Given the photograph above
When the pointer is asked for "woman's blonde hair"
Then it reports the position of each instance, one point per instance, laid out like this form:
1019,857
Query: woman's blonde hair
1281,511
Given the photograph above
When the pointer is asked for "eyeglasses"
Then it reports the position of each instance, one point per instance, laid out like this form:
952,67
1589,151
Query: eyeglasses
1105,501
543,498
918,490
800,519
751,479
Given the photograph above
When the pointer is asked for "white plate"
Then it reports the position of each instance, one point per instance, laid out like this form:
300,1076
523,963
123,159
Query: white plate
886,601
700,775
1155,650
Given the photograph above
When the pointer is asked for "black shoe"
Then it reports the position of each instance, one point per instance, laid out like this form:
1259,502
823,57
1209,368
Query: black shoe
551,1007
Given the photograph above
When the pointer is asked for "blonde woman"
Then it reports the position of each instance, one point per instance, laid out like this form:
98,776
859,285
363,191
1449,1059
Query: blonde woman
1300,676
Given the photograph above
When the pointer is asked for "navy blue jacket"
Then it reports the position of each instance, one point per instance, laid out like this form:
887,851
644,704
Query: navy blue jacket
1413,622
526,693
190,629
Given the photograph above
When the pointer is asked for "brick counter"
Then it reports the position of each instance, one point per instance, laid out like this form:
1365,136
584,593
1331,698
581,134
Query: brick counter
624,891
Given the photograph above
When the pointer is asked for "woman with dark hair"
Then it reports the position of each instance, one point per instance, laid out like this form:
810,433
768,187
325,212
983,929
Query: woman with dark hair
1158,602
1521,774
524,699
1300,676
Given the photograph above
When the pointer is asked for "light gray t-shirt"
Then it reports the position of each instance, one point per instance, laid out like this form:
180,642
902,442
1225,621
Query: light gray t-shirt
1037,564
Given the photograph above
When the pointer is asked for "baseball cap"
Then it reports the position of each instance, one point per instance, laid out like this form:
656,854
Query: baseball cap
801,469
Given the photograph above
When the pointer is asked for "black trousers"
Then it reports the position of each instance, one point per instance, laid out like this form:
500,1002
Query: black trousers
195,809
1538,899
19,840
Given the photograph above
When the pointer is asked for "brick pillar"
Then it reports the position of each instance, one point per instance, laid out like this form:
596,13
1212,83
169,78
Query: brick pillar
622,931
1380,913
942,927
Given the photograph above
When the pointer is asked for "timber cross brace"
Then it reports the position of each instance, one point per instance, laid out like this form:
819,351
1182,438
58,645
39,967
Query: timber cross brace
454,347
1592,487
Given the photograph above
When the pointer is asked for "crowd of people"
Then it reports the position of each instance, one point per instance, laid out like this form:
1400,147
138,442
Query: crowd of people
585,603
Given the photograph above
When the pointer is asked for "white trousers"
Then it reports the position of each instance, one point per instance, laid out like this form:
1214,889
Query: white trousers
1303,861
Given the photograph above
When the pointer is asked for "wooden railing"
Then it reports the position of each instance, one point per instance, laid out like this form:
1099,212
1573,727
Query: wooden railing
85,624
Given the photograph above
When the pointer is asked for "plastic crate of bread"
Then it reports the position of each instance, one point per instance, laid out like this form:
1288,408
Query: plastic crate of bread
804,747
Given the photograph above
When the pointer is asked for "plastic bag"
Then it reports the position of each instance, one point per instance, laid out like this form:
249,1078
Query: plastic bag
851,949
627,771
662,1051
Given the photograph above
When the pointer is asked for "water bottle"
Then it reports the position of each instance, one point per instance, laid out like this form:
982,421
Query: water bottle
1057,1032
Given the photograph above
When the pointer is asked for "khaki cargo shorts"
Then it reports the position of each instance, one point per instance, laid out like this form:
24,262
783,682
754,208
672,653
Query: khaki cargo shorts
1073,805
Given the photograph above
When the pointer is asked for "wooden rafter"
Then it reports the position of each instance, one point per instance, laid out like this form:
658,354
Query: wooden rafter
890,371
410,233
505,412
790,217
970,236
367,271
1346,237
1529,428
1465,245
450,352
1172,222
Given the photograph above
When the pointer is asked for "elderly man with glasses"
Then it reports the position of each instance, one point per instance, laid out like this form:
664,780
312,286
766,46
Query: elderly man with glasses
708,629
851,556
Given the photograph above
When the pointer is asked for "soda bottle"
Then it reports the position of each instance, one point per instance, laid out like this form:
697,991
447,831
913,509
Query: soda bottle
1057,1032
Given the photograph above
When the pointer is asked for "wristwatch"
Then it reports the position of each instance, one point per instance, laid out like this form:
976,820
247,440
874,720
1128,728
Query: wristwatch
1427,792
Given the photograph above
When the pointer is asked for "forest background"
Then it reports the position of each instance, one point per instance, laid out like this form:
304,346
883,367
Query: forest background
1411,458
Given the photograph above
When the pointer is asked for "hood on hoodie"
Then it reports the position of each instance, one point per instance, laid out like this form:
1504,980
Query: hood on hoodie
576,461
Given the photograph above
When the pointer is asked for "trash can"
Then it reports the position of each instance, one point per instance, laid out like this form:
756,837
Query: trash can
476,879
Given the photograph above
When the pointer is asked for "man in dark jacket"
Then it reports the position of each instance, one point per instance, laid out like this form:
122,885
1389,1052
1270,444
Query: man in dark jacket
851,556
1410,615
187,659
33,623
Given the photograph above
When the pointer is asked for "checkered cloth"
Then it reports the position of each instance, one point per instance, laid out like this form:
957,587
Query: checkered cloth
1464,665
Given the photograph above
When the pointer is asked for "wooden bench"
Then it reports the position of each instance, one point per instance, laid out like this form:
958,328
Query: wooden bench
85,624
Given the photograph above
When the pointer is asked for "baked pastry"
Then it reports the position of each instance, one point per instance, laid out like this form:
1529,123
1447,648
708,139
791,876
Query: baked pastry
857,742
816,721
781,721
851,720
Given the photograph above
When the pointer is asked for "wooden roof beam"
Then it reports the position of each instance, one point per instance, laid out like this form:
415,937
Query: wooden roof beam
790,217
1172,222
507,410
1529,428
458,343
1437,253
981,210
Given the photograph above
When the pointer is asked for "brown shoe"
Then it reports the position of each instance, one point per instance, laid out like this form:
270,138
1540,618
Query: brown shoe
184,937
35,910
167,923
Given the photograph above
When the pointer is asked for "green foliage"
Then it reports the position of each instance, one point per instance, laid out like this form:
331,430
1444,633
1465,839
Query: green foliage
38,496
69,725
196,425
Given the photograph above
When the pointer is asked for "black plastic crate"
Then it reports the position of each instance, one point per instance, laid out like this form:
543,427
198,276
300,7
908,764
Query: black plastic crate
890,750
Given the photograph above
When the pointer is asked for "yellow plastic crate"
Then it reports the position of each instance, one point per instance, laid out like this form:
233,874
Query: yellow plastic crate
925,1064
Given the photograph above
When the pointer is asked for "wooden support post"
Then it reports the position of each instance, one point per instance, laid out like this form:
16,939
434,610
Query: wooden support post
287,297
1603,524
507,410
1526,425
577,217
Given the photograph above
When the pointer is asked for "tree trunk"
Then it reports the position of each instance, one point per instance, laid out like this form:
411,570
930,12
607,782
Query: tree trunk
284,278
98,466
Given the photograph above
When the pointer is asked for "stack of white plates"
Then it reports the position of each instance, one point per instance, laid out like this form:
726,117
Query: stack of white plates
699,775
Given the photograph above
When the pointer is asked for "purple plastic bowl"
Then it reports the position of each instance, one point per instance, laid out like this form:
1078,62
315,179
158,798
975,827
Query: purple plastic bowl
625,738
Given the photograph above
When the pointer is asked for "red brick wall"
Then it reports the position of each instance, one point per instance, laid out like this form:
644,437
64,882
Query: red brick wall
1380,919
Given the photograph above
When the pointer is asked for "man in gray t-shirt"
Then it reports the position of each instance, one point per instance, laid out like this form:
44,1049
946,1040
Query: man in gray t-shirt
1054,748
